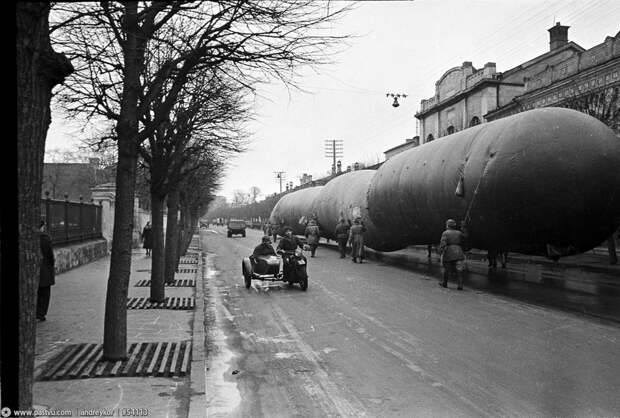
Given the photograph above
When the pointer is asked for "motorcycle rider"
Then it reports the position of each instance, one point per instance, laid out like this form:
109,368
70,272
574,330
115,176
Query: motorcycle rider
288,243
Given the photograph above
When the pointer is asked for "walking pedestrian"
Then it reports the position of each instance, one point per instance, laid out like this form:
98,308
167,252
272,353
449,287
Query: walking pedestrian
492,257
611,248
356,240
46,273
503,258
312,234
147,238
452,255
342,235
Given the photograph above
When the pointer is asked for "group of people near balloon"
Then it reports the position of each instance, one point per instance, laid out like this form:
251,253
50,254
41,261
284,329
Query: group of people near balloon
346,234
452,245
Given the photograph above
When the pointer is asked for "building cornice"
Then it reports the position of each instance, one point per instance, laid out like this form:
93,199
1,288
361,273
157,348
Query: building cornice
536,60
570,84
462,94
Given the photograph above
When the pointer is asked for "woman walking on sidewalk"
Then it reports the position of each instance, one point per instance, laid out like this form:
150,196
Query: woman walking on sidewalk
47,274
147,238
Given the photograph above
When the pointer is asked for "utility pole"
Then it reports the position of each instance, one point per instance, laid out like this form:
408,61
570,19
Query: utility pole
333,150
280,175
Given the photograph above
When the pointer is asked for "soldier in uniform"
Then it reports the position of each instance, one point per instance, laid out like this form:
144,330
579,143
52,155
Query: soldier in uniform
452,255
342,235
356,239
264,248
312,234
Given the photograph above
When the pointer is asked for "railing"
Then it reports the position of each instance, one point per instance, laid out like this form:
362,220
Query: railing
70,222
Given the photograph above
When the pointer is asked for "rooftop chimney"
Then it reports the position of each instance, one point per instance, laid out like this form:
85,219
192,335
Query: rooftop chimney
558,36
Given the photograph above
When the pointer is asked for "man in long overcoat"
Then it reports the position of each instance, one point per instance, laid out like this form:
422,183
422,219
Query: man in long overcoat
452,255
47,273
147,238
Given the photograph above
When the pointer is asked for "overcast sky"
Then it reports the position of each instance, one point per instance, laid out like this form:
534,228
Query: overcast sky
400,47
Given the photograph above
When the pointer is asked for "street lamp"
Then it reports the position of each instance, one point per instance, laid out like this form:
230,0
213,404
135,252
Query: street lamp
396,96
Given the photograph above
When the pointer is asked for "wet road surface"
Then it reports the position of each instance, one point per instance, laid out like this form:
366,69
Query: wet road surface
376,340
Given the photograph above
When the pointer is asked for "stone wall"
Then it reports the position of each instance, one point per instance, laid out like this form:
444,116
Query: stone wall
70,256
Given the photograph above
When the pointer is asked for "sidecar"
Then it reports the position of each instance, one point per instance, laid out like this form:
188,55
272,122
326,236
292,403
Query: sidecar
261,268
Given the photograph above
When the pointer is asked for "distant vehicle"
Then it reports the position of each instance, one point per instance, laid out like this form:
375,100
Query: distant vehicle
236,226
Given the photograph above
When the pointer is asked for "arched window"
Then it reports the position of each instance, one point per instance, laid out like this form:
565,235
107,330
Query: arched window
450,130
429,138
474,121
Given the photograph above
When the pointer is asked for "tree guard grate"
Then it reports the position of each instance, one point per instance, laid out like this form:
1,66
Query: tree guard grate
176,283
179,303
84,361
188,260
187,270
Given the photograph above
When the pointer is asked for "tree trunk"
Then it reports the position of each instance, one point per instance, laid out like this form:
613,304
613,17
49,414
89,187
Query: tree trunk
39,69
115,326
181,236
187,236
158,292
172,236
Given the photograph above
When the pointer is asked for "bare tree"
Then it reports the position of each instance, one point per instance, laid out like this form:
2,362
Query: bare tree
249,40
206,119
194,201
39,69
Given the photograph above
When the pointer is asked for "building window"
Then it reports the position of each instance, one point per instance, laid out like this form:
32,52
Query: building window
474,121
450,130
429,138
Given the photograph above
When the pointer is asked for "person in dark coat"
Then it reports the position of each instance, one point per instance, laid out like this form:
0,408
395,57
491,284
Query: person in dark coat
356,239
289,243
264,248
147,238
452,255
47,273
342,235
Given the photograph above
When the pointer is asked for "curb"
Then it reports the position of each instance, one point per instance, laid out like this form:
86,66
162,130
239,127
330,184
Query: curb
197,392
417,256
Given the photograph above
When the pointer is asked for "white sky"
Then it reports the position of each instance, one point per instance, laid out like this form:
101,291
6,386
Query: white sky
401,47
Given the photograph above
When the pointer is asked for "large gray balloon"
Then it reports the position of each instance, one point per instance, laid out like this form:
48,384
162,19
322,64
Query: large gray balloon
546,177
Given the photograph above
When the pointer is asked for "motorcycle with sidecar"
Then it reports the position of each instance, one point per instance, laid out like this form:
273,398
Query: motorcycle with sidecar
267,268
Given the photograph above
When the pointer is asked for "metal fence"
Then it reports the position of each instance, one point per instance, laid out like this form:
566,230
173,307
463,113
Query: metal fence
69,222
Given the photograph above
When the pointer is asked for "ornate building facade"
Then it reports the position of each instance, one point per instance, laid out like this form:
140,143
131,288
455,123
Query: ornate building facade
567,76
588,81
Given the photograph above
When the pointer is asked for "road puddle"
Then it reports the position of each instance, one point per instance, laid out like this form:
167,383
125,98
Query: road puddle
223,395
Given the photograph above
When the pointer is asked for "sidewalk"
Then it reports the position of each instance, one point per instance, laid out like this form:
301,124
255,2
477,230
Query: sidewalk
76,315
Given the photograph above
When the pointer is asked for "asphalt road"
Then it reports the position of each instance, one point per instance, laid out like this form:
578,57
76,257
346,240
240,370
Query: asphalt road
375,340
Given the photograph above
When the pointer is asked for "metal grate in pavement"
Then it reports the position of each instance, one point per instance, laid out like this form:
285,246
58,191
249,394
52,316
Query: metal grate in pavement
178,303
176,283
188,260
83,361
186,270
